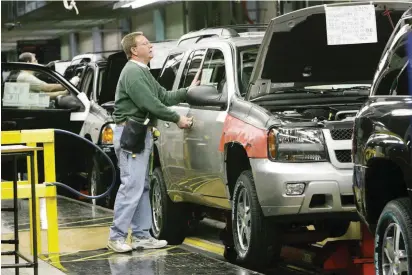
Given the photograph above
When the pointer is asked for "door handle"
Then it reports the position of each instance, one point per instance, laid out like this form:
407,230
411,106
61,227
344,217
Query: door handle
167,124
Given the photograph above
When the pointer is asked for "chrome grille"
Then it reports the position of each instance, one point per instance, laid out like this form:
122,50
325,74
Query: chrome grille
341,134
343,156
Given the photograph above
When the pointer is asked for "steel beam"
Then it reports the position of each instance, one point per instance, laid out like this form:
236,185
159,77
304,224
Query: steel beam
73,44
125,26
159,24
97,39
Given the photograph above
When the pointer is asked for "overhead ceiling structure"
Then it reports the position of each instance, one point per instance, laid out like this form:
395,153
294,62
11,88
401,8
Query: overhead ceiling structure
31,20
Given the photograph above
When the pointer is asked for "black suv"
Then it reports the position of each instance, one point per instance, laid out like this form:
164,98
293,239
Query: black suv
382,154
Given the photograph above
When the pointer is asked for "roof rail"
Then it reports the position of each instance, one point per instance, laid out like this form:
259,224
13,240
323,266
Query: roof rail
111,51
222,31
208,32
240,27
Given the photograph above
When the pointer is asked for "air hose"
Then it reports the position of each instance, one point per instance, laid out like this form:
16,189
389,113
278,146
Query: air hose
104,154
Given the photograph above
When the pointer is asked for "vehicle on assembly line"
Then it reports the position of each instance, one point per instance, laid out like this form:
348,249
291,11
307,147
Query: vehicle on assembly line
270,148
22,108
98,80
382,154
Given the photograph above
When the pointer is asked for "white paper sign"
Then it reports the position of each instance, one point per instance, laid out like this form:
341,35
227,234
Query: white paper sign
351,25
206,76
16,94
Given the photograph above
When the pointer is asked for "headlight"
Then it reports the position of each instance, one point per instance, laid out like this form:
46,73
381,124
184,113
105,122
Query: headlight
107,134
297,145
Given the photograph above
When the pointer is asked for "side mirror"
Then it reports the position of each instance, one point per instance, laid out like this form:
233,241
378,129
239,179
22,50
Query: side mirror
109,106
205,95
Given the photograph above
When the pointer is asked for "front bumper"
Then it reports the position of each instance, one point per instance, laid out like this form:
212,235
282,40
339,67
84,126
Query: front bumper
328,189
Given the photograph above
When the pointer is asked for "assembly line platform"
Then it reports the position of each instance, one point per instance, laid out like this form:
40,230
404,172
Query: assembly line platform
83,232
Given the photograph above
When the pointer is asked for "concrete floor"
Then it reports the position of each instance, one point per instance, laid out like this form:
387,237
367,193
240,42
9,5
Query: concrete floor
44,268
83,231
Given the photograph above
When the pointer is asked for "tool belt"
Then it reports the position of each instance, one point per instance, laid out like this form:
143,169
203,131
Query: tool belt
133,136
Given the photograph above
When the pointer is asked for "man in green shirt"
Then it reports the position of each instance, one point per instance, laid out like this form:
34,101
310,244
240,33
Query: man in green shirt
140,96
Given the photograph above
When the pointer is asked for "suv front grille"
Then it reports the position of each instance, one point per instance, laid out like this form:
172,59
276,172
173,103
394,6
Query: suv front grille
343,155
341,134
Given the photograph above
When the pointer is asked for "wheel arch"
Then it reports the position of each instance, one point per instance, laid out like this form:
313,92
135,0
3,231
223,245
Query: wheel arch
156,157
384,181
236,161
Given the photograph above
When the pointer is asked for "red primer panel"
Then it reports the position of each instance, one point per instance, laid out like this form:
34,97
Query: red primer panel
253,139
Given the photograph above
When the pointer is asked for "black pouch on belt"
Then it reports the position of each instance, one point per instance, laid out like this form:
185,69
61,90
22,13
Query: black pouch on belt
133,136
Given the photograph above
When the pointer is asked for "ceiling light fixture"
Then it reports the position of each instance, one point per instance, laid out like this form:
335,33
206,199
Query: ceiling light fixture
135,4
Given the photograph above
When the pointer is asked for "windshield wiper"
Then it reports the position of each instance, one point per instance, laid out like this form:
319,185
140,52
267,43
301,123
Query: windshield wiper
348,89
294,90
356,90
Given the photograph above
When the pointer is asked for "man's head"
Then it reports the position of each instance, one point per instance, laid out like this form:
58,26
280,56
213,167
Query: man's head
136,46
28,58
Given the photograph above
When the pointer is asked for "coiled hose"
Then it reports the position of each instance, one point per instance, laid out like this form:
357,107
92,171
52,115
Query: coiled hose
104,154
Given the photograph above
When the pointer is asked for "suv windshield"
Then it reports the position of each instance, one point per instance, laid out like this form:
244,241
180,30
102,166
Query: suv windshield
246,61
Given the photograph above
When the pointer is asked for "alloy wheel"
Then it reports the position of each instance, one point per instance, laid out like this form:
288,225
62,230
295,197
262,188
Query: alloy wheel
243,220
156,207
394,256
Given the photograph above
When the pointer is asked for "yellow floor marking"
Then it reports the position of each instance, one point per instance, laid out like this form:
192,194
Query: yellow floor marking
91,257
76,227
61,255
130,257
88,220
89,226
205,245
92,219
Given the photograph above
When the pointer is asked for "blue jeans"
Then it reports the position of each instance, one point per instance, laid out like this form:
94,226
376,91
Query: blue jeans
132,206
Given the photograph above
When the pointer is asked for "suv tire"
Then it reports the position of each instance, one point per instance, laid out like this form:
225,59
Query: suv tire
397,215
97,184
263,247
169,221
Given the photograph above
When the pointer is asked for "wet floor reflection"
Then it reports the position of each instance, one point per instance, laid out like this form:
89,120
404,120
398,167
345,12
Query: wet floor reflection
70,214
171,260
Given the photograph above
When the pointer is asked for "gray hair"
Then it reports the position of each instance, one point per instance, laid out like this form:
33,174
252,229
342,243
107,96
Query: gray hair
128,42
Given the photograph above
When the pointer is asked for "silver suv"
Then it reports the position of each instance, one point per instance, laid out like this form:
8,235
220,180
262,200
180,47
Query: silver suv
270,149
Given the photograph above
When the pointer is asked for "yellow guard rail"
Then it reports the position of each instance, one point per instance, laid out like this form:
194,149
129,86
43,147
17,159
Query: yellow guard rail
46,139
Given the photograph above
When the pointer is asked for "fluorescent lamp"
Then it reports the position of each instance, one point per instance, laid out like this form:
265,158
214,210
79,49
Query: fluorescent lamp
134,4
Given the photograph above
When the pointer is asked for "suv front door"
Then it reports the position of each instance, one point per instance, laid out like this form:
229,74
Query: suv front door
203,161
170,141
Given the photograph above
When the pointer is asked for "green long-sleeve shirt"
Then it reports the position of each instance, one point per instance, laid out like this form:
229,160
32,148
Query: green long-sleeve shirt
138,93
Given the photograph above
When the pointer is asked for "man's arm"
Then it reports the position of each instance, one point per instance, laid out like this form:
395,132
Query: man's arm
140,92
38,85
170,98
50,88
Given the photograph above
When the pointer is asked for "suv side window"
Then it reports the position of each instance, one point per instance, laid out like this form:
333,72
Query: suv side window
192,66
25,89
394,79
168,75
214,70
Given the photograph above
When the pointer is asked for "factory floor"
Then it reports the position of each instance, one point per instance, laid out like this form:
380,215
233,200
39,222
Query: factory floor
83,231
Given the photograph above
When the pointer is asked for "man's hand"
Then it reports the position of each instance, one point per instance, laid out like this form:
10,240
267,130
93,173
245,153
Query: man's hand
185,122
195,83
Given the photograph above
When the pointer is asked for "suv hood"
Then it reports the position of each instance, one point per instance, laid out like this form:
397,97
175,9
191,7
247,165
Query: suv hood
295,50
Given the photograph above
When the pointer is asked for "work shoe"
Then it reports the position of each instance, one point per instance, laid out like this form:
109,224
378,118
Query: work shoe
119,246
147,243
